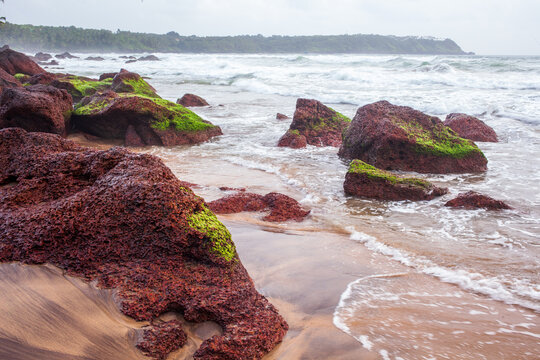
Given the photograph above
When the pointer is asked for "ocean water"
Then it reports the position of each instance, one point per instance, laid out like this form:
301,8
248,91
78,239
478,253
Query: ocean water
494,256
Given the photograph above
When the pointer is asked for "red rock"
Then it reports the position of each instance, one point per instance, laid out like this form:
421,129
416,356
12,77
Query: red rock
161,339
293,139
191,100
125,221
43,79
132,138
66,55
7,81
367,181
469,127
474,200
394,137
50,63
226,188
42,56
282,207
36,108
280,116
107,76
14,62
109,115
130,82
321,125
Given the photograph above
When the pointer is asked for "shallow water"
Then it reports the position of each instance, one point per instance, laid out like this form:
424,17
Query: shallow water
494,257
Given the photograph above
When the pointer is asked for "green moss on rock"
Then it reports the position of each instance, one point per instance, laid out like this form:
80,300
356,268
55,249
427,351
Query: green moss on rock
441,141
141,87
360,167
86,87
20,76
207,223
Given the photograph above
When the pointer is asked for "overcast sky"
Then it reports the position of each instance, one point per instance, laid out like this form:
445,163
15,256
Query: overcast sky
483,26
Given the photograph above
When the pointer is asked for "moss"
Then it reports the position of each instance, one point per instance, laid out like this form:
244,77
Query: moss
442,141
141,87
207,223
91,108
20,76
334,123
360,167
87,87
294,132
339,116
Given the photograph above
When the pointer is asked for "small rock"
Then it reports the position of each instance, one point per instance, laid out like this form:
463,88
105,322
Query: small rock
474,200
280,116
190,100
469,127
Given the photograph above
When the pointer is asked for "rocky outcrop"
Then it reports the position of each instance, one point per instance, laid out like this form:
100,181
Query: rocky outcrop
364,180
474,200
155,121
66,55
50,63
282,207
280,116
14,62
130,82
293,139
42,56
125,221
149,58
161,339
191,100
394,137
36,108
319,124
7,81
94,58
79,86
107,76
469,127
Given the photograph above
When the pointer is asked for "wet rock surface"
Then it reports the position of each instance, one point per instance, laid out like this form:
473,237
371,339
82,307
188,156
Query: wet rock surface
469,127
319,124
36,108
161,339
125,221
282,207
474,200
364,180
394,137
191,100
14,62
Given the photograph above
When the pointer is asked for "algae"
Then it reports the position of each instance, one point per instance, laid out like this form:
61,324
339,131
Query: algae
87,87
207,223
360,167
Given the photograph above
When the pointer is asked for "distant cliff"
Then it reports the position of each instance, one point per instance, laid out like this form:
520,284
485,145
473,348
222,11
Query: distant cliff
51,38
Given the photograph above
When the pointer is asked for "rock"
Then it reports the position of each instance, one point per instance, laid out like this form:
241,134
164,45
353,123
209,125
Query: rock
191,100
367,181
42,56
107,76
149,58
79,86
227,188
469,127
95,58
125,221
280,116
474,200
155,121
66,55
161,339
14,62
321,125
131,61
5,47
282,207
50,63
293,139
130,82
7,81
127,57
394,137
132,138
43,79
36,108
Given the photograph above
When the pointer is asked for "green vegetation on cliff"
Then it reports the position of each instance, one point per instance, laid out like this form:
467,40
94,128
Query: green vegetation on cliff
29,37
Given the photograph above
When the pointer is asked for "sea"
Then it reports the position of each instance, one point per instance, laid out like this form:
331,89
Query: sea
490,259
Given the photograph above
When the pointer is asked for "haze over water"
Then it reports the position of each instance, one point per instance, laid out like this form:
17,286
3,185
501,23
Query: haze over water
491,259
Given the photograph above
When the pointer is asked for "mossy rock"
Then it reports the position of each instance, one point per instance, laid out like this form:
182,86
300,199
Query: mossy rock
132,83
79,87
156,121
367,181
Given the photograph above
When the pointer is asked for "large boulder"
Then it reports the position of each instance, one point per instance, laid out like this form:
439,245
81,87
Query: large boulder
474,200
282,207
7,81
319,124
36,108
40,56
14,62
156,121
132,83
80,87
469,127
394,137
364,180
191,100
125,221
